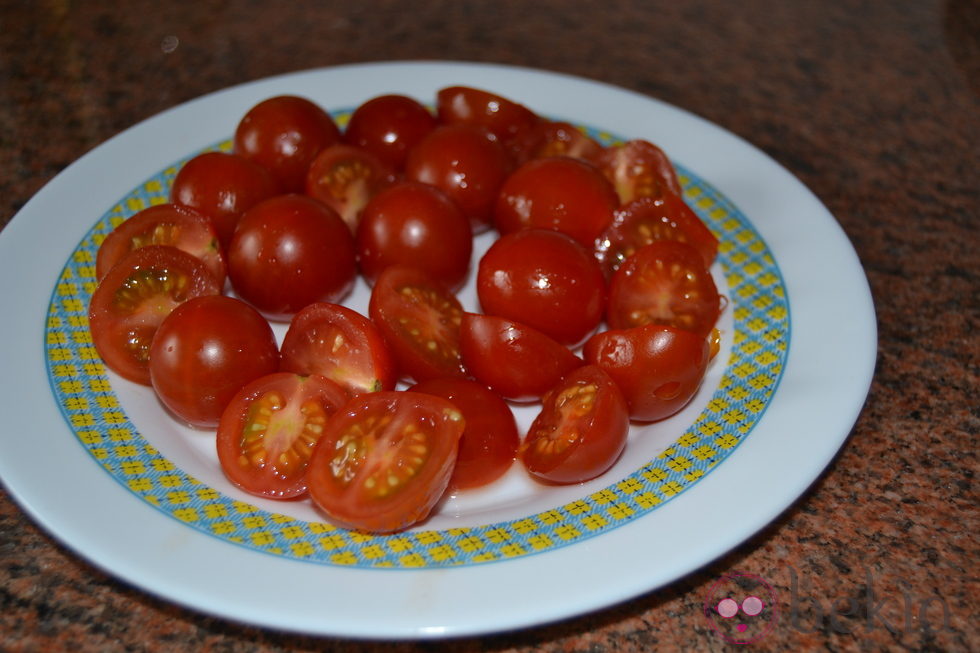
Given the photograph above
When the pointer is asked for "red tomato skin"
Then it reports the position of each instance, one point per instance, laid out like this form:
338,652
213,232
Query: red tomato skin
345,178
554,138
488,446
515,361
467,163
284,134
350,504
364,365
600,434
205,352
545,280
114,323
664,282
560,193
288,252
415,224
222,186
389,126
504,118
638,168
658,368
269,479
164,224
388,306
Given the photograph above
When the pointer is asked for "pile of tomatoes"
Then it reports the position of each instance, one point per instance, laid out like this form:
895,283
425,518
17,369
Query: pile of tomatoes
597,302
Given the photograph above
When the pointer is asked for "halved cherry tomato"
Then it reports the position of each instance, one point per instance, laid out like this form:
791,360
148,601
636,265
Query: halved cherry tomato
345,178
133,299
290,251
419,319
164,224
389,126
385,459
550,138
269,429
504,118
466,162
664,282
341,344
544,279
489,443
581,430
205,351
284,134
415,224
517,362
222,186
648,219
560,193
658,368
638,168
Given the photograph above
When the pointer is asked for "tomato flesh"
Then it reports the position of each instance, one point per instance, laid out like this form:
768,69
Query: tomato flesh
638,168
345,178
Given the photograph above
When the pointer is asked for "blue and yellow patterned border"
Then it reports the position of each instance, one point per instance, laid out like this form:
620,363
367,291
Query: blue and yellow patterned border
93,411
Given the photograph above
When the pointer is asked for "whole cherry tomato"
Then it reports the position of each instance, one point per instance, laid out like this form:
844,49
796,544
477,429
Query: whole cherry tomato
345,178
472,106
389,126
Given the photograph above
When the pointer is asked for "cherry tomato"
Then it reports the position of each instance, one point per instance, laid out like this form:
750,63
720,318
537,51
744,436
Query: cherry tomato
415,224
646,220
385,459
133,299
548,139
638,168
489,443
164,224
467,163
464,105
658,368
389,126
290,251
284,134
222,186
559,193
205,351
517,362
345,178
419,319
664,282
341,344
267,433
544,279
581,429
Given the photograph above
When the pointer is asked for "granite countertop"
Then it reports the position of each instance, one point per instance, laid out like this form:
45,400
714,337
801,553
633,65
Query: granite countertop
875,106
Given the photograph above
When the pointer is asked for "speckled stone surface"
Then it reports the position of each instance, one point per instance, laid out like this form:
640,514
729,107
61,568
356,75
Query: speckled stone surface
873,105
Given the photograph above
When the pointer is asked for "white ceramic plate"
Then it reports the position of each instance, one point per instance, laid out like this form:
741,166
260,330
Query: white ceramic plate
95,461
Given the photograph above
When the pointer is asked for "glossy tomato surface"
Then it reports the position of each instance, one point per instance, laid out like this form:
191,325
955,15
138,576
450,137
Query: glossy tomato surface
222,186
545,280
517,362
268,431
133,299
204,352
389,126
581,430
345,178
488,446
288,252
385,459
554,138
665,282
284,134
419,319
658,368
340,344
638,168
415,224
503,117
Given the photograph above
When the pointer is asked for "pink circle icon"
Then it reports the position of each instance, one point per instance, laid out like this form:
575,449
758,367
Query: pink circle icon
742,608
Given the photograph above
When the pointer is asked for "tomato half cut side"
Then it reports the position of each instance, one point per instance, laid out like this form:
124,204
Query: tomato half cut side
551,138
268,431
385,459
516,361
488,446
164,224
345,178
419,319
638,168
133,299
341,344
581,430
664,282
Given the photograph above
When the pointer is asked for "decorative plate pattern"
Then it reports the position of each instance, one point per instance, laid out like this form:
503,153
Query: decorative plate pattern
94,413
